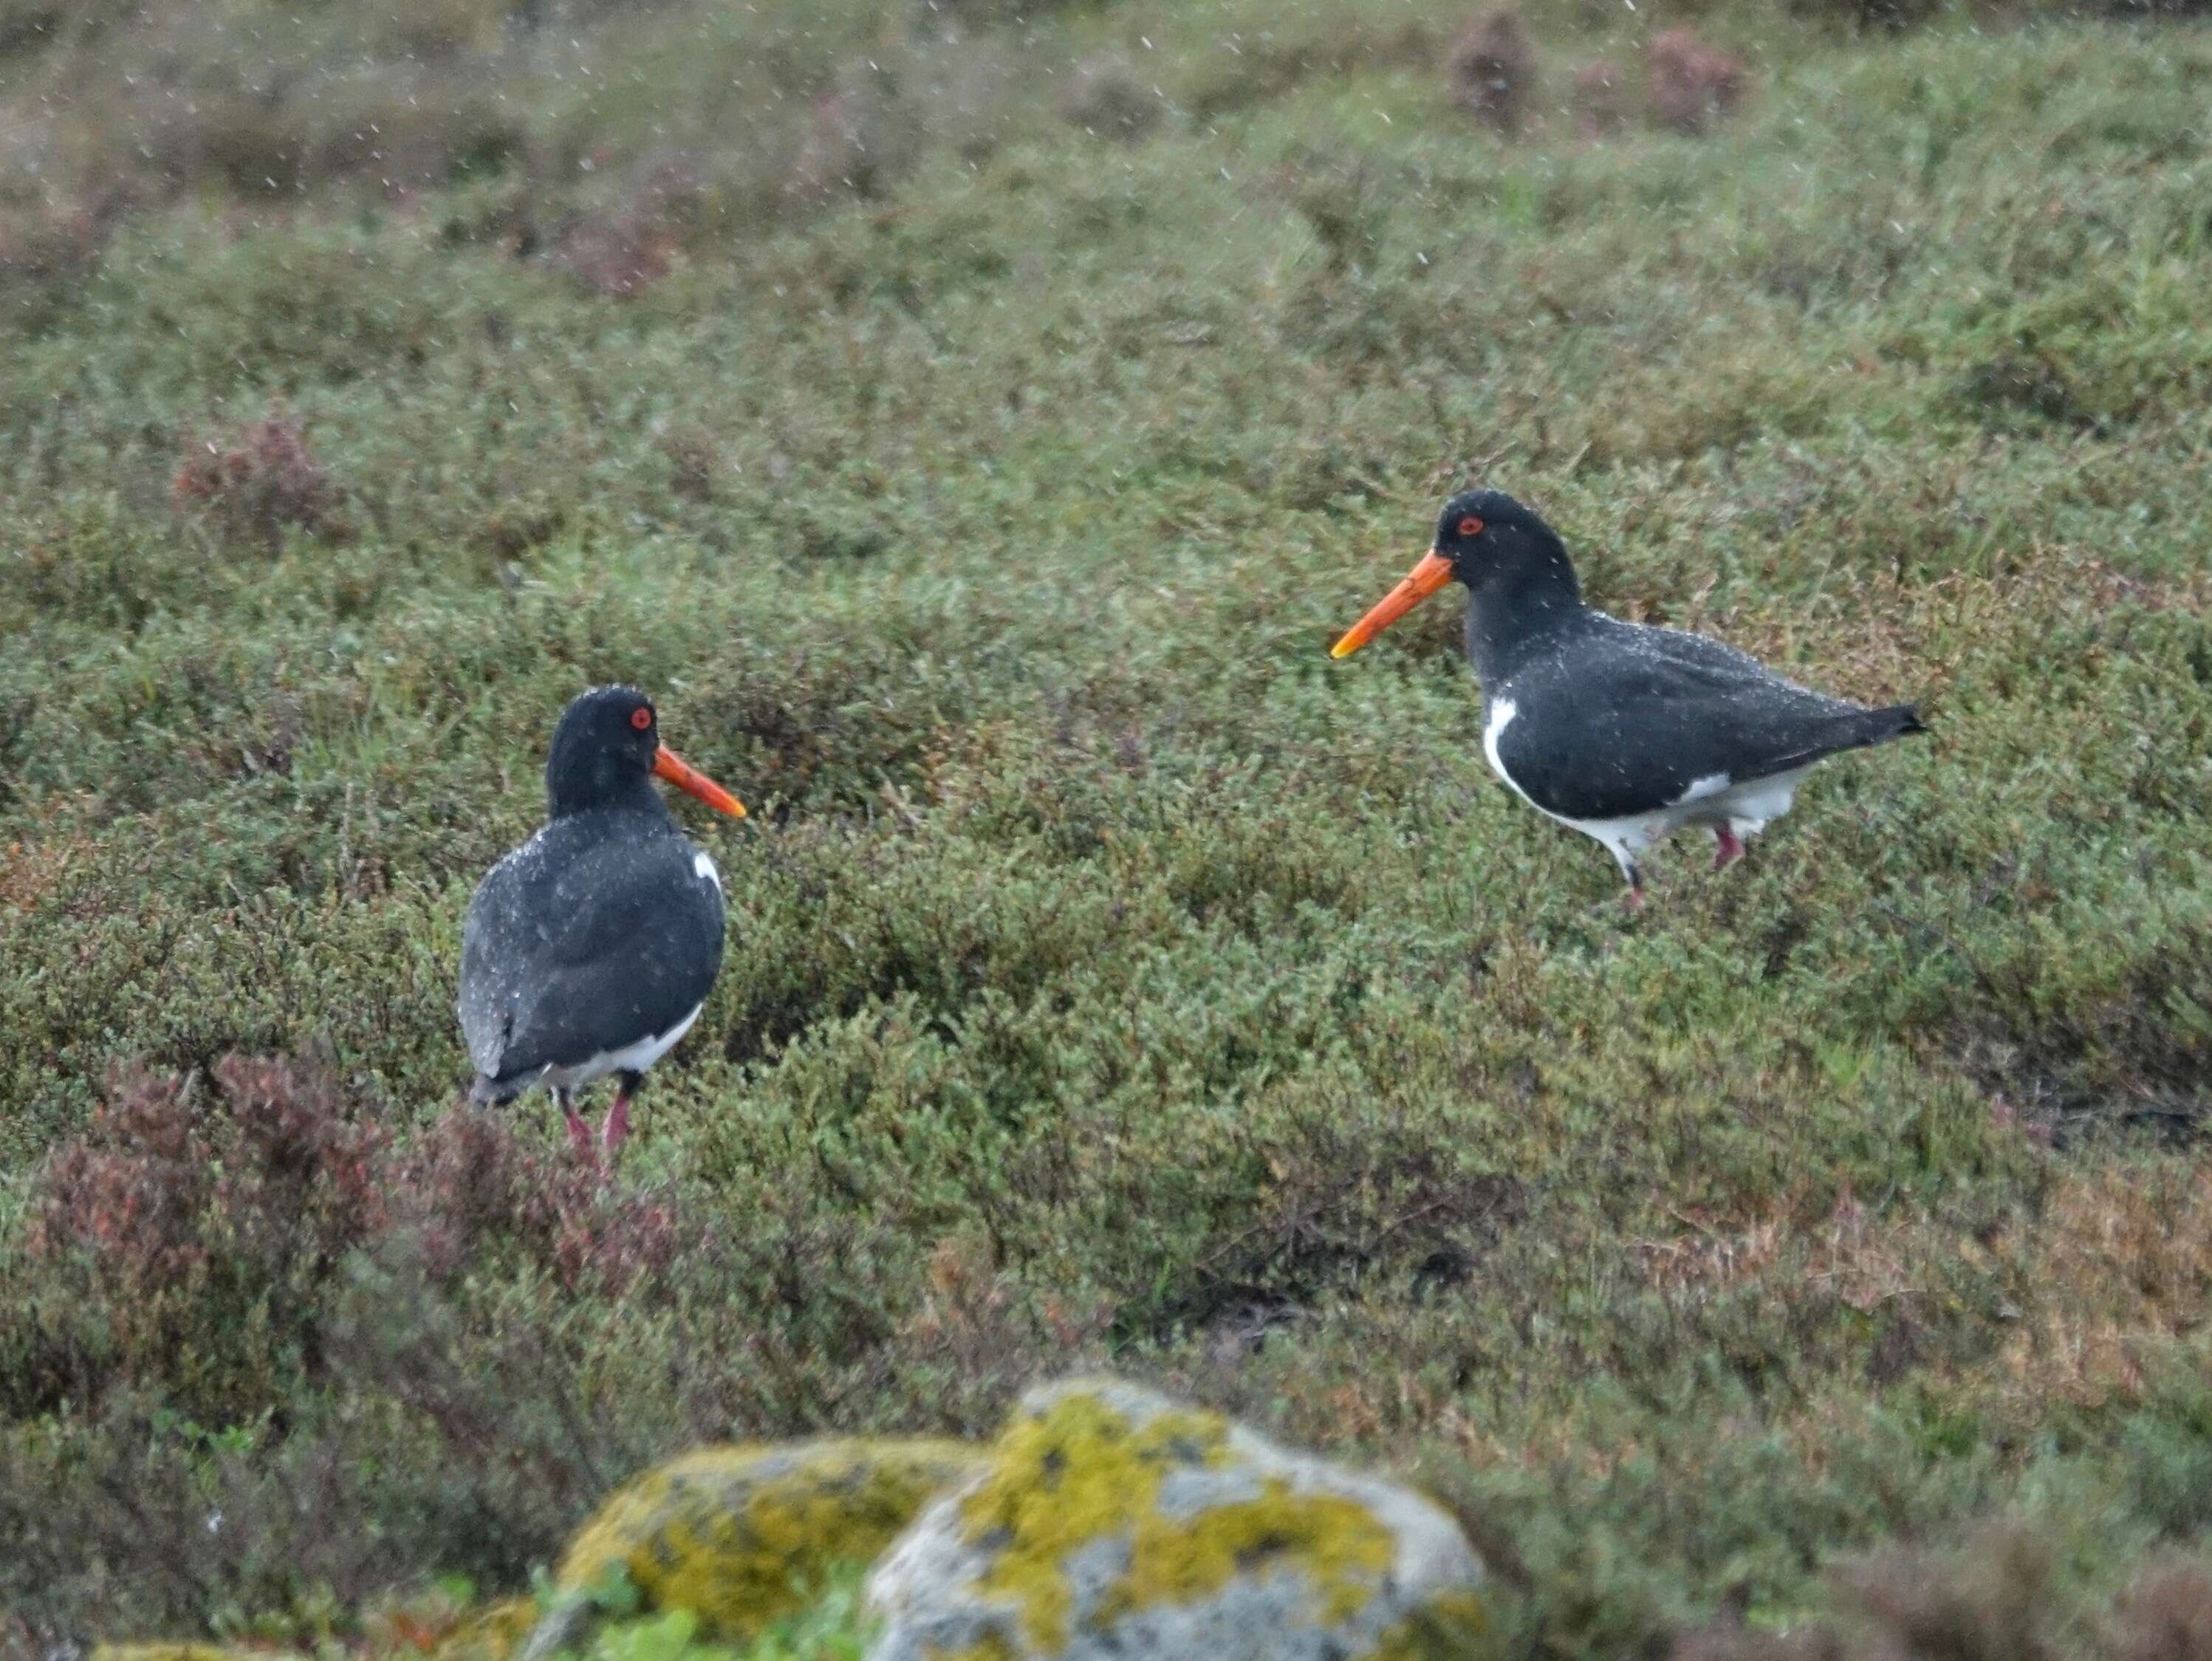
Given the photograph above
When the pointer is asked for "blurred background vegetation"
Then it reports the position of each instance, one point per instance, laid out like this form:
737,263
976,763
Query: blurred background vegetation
973,422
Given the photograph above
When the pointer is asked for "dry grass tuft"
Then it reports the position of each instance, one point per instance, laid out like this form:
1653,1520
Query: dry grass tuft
2121,1259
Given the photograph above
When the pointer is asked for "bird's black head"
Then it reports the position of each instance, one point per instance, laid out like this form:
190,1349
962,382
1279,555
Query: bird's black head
603,750
1483,529
606,752
1502,550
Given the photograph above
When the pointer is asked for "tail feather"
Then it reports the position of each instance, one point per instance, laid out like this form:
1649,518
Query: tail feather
1852,729
1897,721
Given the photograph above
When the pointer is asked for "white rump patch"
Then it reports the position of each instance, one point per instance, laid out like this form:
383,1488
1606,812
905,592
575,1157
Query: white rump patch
630,1058
1712,785
1753,802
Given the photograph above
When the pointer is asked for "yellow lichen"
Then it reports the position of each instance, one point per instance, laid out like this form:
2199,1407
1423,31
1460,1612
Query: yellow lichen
1080,1471
1452,1626
735,1534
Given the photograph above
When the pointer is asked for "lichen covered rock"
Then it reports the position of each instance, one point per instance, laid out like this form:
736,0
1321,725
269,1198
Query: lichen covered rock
736,1534
1110,1521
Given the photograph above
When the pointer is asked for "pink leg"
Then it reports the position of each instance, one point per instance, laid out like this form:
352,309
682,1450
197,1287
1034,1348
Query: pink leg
1731,846
614,1129
1636,899
580,1134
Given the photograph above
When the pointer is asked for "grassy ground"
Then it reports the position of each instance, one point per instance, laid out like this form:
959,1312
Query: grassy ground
1113,977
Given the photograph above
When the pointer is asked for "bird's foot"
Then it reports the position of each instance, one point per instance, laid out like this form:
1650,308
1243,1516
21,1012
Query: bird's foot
1636,899
579,1135
613,1130
1730,848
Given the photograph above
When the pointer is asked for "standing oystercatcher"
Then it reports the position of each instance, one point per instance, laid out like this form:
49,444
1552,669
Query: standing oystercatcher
1627,733
590,949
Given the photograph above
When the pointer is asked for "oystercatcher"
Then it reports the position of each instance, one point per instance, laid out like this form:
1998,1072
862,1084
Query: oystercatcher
590,949
1627,733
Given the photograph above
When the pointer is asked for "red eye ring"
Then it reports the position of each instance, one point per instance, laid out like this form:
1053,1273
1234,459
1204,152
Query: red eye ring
1470,526
641,718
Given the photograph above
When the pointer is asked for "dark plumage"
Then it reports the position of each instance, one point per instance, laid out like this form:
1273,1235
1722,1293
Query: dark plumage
1623,731
591,948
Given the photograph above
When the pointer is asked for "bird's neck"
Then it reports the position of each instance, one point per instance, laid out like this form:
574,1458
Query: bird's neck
1514,613
626,792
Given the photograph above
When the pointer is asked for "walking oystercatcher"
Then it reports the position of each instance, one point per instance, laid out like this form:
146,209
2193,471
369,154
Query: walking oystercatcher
591,948
1625,731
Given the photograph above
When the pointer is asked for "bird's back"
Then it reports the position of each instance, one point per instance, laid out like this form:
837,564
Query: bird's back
603,928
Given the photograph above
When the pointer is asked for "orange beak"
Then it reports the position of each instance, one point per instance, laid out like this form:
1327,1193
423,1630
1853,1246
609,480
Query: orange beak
1432,574
684,776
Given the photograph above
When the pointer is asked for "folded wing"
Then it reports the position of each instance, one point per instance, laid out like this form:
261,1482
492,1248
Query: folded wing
1642,718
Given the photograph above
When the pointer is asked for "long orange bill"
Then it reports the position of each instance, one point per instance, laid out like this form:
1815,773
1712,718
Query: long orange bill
1432,574
684,776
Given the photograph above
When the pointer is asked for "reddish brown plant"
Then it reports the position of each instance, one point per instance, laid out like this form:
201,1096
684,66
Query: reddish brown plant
260,481
197,1211
268,1170
1695,87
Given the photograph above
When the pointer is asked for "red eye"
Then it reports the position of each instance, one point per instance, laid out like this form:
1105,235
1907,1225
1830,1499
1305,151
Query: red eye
1470,526
641,719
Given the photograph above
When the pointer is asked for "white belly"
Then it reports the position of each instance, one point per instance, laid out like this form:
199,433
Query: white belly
1745,808
630,1058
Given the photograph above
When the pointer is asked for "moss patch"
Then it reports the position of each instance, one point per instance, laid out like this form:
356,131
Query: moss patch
736,1535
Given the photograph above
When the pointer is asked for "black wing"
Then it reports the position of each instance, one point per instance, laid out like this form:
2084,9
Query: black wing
577,945
1628,718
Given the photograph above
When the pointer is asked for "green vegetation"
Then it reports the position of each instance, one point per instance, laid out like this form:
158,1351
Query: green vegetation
976,471
831,1628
